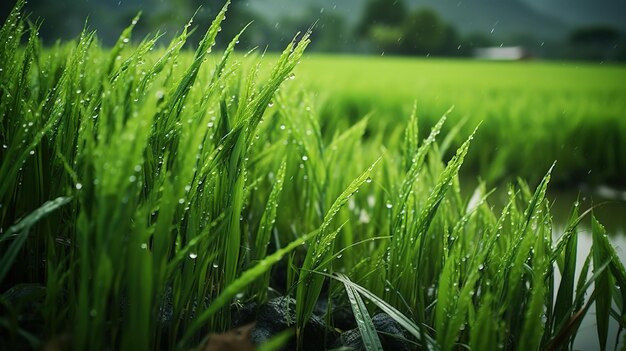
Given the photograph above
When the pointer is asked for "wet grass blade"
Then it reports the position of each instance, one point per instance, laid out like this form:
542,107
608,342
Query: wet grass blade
182,89
603,282
415,330
411,139
362,317
533,327
618,272
19,232
267,224
565,294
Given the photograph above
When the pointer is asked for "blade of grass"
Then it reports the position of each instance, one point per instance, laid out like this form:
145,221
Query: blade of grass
19,232
603,282
362,317
429,343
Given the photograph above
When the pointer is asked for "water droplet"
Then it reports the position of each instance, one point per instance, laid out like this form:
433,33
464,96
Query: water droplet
181,200
215,265
389,205
368,180
79,186
193,255
304,158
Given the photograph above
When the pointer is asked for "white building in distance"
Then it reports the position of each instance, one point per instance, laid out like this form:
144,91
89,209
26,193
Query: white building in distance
505,53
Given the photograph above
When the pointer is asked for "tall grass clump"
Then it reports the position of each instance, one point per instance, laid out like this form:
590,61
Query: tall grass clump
147,193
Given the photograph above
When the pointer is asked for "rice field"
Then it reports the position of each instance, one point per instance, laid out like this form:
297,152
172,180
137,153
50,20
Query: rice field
532,112
158,198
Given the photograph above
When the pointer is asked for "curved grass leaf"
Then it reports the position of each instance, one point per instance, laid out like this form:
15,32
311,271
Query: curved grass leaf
603,282
19,232
428,342
362,317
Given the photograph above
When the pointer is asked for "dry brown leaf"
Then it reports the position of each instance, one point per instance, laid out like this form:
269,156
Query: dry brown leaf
237,339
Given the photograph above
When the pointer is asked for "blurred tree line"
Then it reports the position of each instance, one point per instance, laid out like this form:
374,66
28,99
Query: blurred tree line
392,28
384,26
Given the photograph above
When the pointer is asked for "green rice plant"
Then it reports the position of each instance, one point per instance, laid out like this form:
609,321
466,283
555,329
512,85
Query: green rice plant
310,286
148,192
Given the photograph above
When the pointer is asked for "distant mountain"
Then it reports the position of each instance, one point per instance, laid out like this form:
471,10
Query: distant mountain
496,17
584,12
500,18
